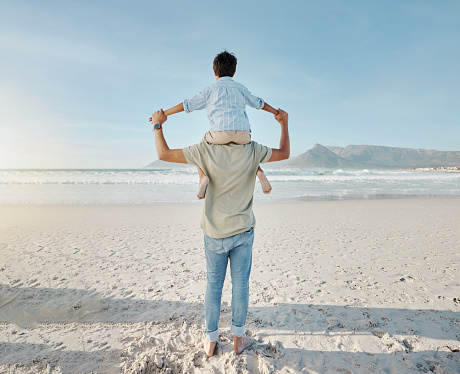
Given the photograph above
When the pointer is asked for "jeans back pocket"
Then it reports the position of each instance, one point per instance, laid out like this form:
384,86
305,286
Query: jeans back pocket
214,245
247,237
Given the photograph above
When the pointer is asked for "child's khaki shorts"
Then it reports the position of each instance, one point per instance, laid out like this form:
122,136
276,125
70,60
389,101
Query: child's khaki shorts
224,137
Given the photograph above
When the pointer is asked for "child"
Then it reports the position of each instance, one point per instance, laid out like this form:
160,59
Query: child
225,102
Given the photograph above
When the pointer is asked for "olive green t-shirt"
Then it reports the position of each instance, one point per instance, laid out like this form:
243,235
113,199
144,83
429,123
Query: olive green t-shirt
231,169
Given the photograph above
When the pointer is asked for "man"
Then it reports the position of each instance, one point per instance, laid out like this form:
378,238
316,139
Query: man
228,220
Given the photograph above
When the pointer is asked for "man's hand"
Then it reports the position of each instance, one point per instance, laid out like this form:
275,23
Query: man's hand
158,117
283,152
282,117
163,151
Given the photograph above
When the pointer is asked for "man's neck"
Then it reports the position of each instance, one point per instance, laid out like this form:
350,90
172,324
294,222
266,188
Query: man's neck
225,77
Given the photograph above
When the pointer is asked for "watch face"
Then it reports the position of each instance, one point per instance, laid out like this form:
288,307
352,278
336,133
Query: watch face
157,126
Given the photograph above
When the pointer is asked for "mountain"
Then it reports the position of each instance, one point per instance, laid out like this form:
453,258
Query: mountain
355,157
158,164
320,157
372,157
399,157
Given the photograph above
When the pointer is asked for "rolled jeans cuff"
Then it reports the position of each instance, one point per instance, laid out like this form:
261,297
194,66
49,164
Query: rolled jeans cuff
238,330
211,336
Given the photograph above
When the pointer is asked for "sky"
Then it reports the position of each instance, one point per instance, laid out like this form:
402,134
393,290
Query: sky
79,79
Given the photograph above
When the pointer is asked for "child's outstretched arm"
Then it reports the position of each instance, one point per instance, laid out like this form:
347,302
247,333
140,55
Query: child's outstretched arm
175,109
269,109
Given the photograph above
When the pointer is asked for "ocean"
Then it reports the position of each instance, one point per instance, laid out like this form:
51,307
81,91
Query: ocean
141,186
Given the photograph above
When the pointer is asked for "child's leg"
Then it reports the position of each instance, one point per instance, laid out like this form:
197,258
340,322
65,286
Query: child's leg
204,180
266,186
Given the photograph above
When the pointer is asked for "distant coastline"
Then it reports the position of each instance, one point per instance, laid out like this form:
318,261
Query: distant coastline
372,157
441,169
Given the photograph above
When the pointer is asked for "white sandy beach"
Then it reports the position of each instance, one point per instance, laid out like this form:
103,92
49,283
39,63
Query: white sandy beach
368,286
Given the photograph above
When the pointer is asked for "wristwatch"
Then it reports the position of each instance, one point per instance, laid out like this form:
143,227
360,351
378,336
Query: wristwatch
157,126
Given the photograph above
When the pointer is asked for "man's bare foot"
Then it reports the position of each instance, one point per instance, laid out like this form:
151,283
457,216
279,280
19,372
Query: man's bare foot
209,347
266,186
241,343
204,180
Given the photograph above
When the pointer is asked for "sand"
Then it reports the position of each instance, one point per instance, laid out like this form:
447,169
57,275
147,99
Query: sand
370,286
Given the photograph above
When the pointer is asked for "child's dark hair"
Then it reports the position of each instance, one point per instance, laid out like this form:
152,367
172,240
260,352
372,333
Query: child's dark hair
224,64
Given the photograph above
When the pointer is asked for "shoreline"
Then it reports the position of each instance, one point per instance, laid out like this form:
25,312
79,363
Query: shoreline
333,198
269,168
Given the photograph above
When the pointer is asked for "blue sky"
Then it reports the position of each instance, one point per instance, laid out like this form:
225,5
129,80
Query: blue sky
79,79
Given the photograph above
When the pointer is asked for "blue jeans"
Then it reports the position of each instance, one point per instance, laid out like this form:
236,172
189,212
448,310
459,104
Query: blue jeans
237,248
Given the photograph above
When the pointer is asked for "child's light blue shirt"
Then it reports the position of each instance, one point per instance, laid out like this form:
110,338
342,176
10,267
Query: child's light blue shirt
225,102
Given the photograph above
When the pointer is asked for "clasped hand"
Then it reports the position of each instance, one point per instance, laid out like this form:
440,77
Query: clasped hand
158,117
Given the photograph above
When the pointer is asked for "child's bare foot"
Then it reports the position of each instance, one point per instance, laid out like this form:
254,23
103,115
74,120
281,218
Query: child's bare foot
209,347
204,180
241,343
266,186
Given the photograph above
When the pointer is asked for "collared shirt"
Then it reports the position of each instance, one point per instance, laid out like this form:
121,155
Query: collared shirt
231,169
225,102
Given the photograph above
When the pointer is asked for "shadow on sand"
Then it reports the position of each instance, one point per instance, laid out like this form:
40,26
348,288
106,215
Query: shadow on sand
27,311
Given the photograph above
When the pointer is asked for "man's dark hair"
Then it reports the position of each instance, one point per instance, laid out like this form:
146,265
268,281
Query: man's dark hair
224,64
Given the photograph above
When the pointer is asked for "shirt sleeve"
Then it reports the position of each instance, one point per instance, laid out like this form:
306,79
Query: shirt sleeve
197,102
251,100
194,155
262,152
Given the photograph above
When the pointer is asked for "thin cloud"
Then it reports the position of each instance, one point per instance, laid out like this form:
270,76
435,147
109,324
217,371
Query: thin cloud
55,47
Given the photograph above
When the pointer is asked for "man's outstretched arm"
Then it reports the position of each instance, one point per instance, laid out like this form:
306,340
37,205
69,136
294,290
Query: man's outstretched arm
283,152
163,151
